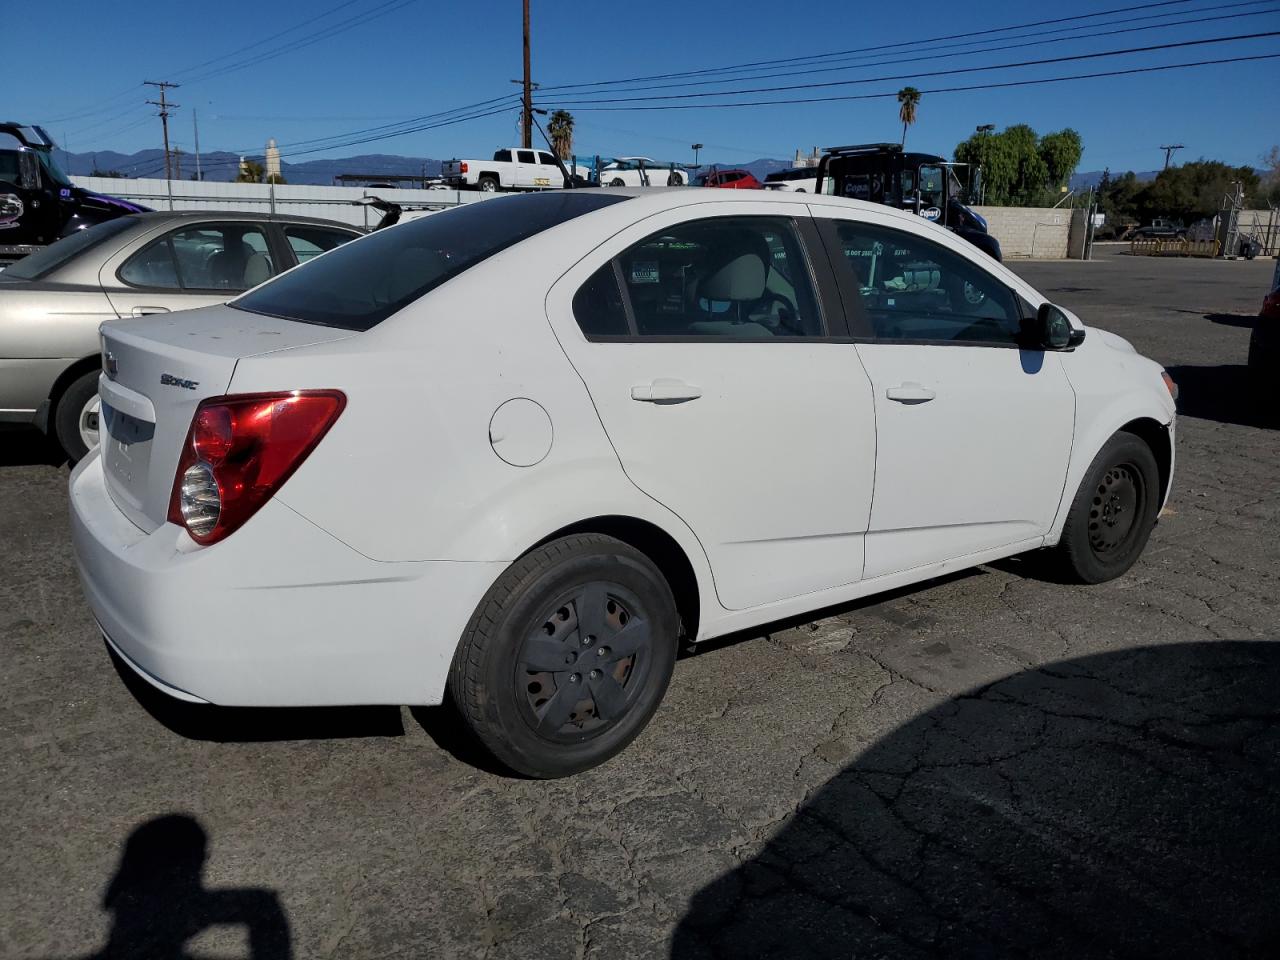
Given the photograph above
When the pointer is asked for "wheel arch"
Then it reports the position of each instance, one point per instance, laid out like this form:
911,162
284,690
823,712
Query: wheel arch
70,375
660,547
1156,435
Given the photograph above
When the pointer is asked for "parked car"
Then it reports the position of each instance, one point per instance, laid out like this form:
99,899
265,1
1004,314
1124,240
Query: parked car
52,302
512,168
520,449
797,180
1162,229
641,172
728,179
1264,353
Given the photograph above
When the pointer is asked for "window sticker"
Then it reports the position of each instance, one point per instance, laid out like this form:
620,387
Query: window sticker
644,271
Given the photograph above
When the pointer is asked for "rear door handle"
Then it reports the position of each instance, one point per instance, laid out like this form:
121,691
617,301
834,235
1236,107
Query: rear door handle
910,393
143,311
665,391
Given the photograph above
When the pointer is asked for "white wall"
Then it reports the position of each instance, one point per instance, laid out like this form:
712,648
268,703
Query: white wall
331,203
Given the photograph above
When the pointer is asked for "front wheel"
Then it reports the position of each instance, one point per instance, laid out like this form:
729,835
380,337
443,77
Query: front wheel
1113,512
568,656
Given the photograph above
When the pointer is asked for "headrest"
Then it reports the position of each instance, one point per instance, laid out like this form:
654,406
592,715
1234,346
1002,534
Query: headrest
257,270
740,278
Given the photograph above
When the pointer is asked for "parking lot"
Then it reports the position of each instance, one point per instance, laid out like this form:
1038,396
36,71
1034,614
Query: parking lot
988,765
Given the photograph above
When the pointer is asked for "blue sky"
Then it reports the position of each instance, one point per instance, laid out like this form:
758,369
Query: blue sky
78,71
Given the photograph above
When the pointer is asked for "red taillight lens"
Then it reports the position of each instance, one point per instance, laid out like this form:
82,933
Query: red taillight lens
238,453
462,167
1169,384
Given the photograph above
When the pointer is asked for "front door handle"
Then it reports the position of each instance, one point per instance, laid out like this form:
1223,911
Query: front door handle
144,311
910,393
665,391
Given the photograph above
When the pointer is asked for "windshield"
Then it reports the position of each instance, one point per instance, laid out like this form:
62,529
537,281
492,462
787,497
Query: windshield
43,262
51,168
359,285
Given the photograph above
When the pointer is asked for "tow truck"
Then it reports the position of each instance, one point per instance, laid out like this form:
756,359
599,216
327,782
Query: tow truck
923,183
38,202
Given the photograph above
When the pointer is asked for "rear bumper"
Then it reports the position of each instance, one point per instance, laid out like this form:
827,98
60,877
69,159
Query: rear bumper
279,614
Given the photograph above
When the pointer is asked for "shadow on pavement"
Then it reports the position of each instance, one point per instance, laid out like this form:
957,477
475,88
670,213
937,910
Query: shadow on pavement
1118,805
26,446
1220,394
1245,320
158,900
202,721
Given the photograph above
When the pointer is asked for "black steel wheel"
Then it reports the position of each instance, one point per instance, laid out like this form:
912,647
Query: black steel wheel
1113,511
568,656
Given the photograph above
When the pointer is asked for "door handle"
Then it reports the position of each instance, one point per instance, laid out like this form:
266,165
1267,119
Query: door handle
910,393
665,391
144,311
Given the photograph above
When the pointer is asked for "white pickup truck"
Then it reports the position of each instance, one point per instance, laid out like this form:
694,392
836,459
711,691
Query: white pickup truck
511,169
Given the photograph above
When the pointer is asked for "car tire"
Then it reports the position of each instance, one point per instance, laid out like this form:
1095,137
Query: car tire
617,182
75,418
1113,512
525,677
487,184
673,180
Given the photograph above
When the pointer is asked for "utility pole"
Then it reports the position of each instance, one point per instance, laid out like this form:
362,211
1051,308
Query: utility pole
177,162
196,127
1168,152
527,132
164,105
695,147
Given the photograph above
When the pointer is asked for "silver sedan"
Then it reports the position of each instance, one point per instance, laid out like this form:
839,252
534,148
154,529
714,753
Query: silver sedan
52,302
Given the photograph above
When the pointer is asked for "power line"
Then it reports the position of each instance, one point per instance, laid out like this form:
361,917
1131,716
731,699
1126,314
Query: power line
936,90
933,54
937,73
879,46
163,86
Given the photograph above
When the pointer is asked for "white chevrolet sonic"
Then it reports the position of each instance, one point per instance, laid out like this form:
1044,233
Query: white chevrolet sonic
518,451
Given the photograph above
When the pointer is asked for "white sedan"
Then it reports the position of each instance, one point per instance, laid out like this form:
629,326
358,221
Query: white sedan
522,449
641,172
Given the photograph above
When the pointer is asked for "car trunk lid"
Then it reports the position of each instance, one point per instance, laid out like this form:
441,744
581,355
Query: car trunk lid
156,371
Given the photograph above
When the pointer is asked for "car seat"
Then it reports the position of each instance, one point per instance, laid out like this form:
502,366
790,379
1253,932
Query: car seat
736,274
257,270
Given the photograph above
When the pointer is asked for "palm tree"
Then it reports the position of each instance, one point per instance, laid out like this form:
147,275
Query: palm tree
908,100
560,128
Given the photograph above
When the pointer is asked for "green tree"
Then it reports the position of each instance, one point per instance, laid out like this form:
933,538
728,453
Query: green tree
908,101
1020,168
276,178
560,129
1195,190
251,171
113,174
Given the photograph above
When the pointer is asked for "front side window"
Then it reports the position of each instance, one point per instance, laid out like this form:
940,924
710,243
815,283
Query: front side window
546,159
360,284
736,278
913,289
308,242
207,256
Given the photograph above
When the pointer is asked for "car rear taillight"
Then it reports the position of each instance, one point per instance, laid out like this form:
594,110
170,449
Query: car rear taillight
462,167
1169,384
240,450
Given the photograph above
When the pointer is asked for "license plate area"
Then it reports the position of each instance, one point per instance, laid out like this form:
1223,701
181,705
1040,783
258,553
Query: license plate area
126,453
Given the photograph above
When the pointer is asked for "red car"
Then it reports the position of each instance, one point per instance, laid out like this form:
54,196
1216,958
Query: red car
729,180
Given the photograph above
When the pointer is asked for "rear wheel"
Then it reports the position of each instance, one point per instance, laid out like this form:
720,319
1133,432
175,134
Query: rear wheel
568,656
1113,512
487,184
616,182
75,418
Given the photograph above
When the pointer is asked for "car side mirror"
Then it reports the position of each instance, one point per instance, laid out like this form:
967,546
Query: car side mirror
1051,330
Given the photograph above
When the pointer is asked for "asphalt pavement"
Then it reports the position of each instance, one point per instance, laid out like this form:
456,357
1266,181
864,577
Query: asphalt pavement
988,765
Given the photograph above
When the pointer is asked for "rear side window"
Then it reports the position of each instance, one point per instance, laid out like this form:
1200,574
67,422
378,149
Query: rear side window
307,241
207,256
360,284
735,278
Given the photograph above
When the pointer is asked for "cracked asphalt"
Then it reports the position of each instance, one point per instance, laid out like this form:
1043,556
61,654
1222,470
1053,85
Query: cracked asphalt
984,766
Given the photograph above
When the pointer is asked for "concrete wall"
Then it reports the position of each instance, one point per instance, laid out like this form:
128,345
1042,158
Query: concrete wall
1026,232
332,203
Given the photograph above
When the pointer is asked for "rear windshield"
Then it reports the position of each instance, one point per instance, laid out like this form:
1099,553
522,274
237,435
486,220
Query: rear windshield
359,285
43,262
